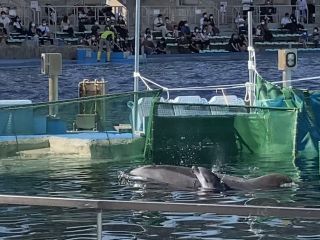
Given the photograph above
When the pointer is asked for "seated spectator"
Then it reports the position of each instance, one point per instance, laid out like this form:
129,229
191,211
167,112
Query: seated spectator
32,29
65,26
259,32
44,29
160,26
148,46
5,20
121,27
91,15
82,27
205,41
304,38
233,45
241,25
185,29
17,26
212,29
83,18
180,24
316,37
3,34
285,20
169,25
204,20
105,13
161,46
197,37
176,32
243,43
193,46
294,26
95,29
266,33
147,33
183,45
267,10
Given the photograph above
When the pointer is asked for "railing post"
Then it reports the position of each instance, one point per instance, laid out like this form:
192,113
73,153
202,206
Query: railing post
99,225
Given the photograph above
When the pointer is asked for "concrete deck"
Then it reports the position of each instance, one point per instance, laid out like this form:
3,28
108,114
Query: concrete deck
81,144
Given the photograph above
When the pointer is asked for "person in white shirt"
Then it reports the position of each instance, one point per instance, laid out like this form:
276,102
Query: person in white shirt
285,20
44,29
5,20
160,26
302,6
203,20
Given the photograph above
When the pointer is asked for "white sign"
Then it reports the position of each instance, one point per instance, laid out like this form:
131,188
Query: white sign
34,4
198,11
156,11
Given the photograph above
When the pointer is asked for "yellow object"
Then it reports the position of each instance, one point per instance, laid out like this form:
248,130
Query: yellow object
106,34
99,56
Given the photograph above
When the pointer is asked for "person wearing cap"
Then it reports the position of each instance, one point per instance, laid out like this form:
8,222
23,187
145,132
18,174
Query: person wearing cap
106,38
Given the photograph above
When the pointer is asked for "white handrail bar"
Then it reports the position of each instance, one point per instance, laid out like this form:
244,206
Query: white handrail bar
220,209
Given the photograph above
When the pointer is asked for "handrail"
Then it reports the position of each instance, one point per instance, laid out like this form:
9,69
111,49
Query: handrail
220,209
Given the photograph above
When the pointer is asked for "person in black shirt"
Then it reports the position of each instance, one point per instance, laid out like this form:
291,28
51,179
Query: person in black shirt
161,46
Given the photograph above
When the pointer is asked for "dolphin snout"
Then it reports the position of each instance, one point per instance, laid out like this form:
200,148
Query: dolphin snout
195,169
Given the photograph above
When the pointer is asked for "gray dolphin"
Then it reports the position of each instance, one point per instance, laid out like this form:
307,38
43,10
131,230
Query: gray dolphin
207,180
176,176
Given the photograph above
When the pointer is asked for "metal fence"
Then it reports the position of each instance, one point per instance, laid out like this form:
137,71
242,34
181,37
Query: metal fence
220,209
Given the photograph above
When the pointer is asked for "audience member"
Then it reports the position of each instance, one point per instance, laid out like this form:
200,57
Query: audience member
121,27
316,37
160,26
148,46
212,29
285,21
183,45
17,26
169,25
44,29
266,11
5,20
147,33
193,46
83,18
95,29
32,29
161,46
65,26
243,43
176,32
233,45
205,41
91,15
3,34
204,20
302,6
266,33
185,29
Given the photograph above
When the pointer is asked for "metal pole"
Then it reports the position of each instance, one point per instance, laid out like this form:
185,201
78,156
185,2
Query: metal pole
136,65
251,62
53,93
99,225
286,78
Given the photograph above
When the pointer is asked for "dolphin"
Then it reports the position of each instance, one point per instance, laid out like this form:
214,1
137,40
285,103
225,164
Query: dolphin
175,176
207,180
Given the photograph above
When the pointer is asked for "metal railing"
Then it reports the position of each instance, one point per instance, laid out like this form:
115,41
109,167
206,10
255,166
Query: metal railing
219,209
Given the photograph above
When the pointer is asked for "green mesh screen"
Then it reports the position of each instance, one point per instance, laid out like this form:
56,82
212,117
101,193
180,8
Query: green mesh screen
308,103
199,134
94,126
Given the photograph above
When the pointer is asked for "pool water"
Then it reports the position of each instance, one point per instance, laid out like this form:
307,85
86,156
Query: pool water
98,178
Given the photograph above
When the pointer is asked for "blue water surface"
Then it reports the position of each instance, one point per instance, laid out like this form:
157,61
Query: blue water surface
98,178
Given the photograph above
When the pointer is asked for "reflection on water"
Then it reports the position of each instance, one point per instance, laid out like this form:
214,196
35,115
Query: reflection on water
84,178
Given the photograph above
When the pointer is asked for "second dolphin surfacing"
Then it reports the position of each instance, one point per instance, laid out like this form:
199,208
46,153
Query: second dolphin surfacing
199,177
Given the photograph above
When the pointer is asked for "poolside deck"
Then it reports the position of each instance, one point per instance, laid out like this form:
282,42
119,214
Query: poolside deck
78,144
